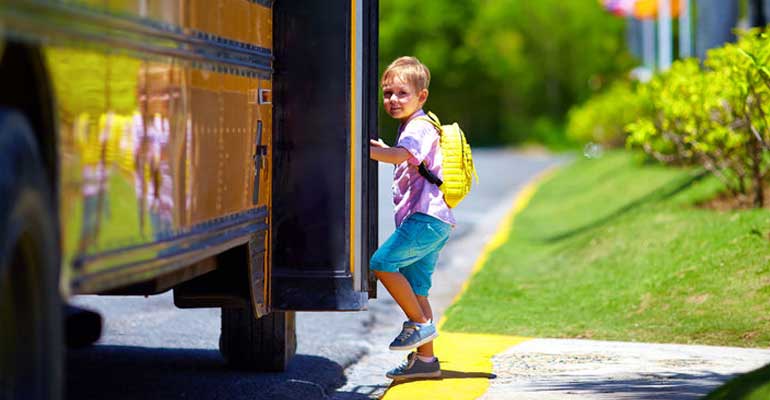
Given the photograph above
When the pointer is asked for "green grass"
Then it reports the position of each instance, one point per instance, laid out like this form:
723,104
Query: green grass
611,249
754,385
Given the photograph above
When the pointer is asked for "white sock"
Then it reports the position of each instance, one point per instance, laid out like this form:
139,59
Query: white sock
426,359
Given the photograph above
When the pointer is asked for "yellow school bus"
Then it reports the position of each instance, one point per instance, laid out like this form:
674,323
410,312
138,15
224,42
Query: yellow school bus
216,148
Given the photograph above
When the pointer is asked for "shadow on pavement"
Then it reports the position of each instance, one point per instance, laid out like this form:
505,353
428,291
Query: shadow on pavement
448,374
126,372
673,386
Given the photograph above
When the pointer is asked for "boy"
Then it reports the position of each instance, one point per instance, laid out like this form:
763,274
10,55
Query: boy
405,262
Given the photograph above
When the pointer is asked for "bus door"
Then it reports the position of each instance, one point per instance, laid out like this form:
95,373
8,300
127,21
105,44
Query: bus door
324,205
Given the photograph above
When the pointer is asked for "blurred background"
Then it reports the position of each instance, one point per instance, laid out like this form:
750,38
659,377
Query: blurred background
511,70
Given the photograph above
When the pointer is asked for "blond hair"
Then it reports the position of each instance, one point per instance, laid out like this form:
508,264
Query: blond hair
408,69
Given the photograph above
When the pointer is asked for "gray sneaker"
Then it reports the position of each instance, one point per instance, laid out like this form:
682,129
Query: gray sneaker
414,335
414,368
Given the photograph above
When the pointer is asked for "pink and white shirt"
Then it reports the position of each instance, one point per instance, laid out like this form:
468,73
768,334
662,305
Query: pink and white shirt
413,193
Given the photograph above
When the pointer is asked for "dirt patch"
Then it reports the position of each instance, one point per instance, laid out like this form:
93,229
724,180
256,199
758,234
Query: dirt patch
750,335
698,299
585,335
727,201
644,304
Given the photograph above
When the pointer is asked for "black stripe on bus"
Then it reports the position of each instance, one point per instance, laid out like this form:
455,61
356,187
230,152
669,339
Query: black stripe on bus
51,22
266,3
169,252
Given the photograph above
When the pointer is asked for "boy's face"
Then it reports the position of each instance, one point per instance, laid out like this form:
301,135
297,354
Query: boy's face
401,99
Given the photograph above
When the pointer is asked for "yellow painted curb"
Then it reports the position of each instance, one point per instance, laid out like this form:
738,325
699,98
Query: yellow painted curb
466,367
466,358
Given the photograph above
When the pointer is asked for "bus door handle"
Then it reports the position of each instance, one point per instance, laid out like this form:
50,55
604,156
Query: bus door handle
260,158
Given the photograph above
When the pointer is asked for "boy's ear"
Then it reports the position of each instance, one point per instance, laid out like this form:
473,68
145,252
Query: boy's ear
423,96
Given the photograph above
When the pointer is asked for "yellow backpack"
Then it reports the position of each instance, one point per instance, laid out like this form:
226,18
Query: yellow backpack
457,164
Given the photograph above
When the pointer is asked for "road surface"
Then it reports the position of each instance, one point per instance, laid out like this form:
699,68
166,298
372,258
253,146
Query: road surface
151,350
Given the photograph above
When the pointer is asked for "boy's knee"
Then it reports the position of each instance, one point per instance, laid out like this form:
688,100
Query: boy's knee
378,264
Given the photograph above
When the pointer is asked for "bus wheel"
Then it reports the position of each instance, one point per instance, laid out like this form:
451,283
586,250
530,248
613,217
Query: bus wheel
266,344
31,348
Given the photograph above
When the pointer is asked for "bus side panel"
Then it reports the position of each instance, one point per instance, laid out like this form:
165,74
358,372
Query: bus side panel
157,151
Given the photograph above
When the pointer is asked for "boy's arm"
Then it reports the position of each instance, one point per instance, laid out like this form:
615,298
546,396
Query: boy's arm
381,152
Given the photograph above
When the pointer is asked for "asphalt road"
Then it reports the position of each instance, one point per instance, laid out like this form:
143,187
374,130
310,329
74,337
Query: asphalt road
151,350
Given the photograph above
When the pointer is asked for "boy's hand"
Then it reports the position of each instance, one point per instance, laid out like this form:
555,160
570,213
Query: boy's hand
378,143
380,151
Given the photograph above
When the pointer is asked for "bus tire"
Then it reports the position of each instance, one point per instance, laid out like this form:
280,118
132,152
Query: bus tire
31,339
264,344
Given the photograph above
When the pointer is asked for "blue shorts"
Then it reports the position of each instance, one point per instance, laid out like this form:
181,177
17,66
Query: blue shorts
413,250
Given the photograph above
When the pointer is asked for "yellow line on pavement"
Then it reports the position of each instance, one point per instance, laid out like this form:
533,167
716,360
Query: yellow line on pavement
466,367
466,358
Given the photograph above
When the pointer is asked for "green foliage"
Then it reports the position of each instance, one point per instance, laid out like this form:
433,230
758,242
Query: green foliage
754,385
550,133
500,66
678,113
603,118
715,116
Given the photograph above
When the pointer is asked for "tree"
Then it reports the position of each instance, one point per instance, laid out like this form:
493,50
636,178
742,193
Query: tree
503,68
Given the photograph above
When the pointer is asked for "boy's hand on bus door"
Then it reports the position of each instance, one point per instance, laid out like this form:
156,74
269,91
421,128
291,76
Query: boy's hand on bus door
380,151
378,143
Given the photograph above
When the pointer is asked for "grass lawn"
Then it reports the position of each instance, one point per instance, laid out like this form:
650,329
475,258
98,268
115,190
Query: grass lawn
611,249
752,386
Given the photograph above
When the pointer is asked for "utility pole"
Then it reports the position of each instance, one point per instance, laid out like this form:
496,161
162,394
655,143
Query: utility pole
664,34
685,29
648,44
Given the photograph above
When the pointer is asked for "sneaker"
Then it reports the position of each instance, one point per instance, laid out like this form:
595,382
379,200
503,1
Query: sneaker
414,335
414,368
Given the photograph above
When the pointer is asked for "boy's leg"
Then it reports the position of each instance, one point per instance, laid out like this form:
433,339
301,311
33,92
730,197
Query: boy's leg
426,350
419,276
404,264
398,252
402,293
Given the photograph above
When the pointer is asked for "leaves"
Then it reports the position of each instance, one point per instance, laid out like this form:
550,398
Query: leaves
505,68
715,116
603,118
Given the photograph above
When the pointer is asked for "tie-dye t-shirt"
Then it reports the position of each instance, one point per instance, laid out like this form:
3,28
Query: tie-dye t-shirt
412,193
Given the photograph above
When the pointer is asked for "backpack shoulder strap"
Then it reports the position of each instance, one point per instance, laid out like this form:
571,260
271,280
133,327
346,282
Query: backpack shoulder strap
424,171
432,119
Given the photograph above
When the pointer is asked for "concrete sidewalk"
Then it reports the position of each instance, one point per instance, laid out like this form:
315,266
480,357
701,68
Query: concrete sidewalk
589,369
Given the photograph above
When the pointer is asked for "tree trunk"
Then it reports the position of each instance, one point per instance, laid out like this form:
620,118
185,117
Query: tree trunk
756,172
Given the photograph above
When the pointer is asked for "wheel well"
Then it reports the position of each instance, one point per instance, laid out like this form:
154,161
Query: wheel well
26,87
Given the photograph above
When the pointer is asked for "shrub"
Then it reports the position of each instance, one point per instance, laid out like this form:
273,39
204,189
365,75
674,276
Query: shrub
603,118
715,116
